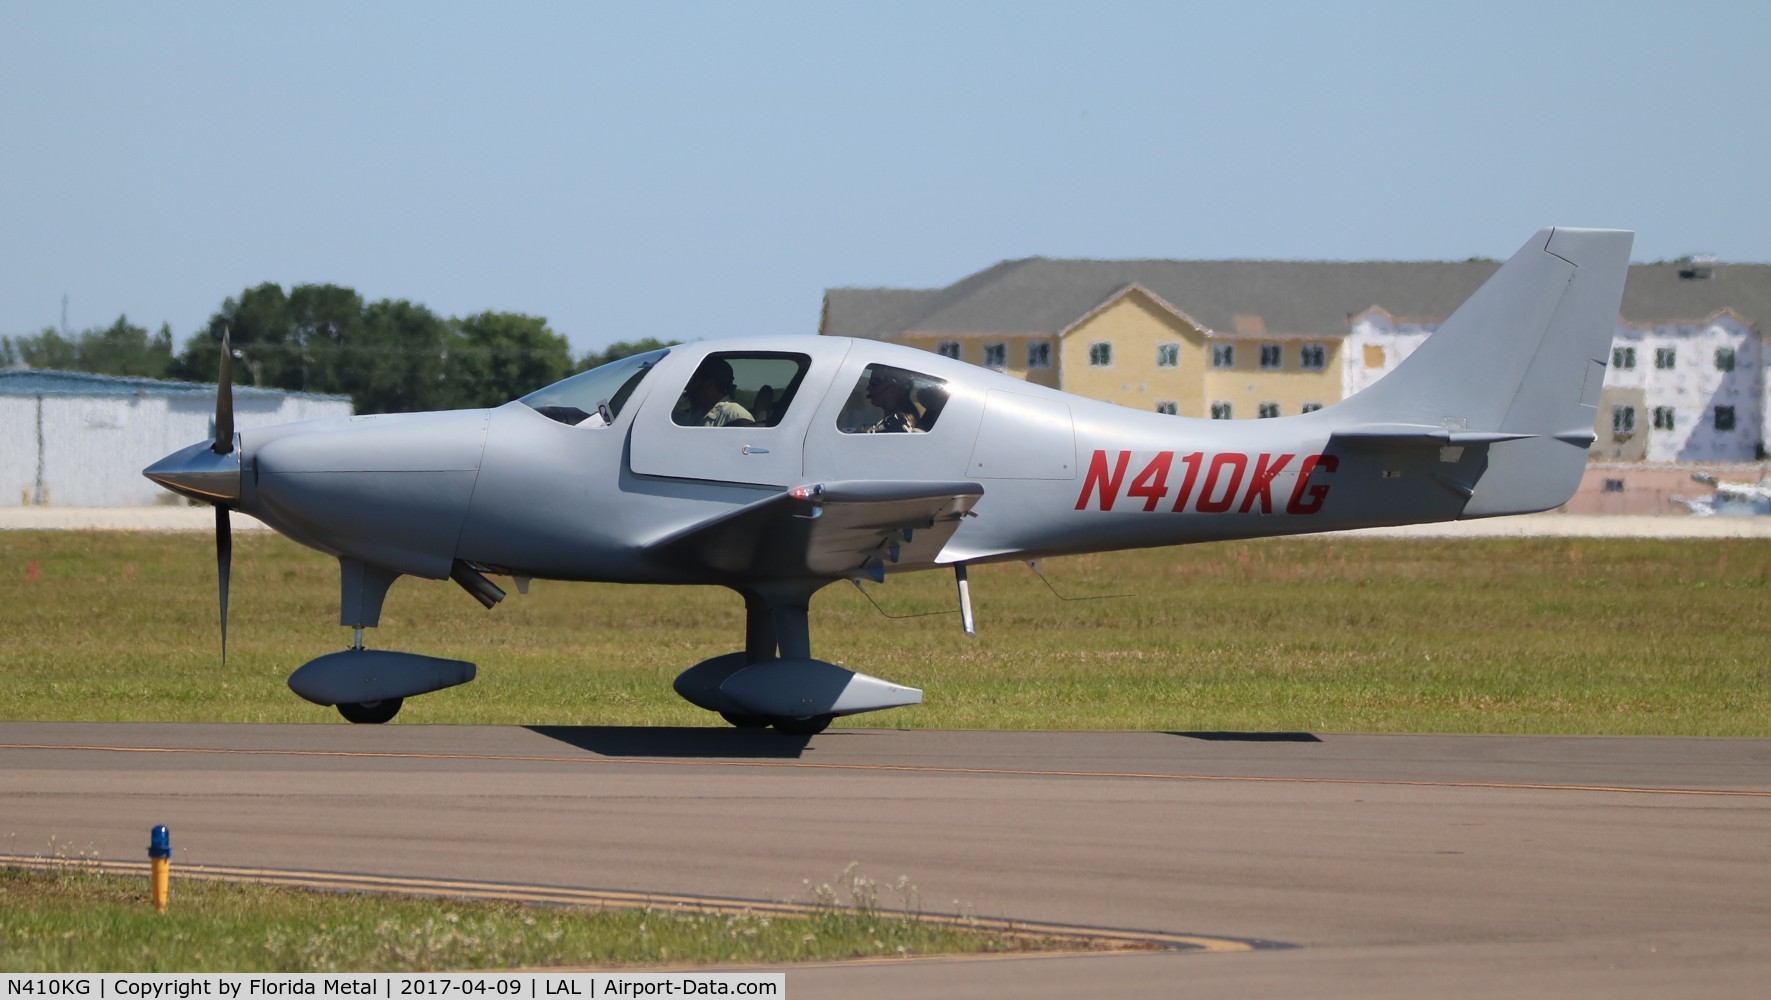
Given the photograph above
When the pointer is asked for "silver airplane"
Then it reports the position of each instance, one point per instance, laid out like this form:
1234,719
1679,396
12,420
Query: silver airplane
778,466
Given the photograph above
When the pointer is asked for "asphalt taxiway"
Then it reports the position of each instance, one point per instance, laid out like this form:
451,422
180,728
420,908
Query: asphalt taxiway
1389,865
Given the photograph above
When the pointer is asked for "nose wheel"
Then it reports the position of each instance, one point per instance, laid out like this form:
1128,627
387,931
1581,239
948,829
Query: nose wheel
802,727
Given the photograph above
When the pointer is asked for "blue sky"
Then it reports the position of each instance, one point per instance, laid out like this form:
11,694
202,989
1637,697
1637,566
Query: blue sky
688,170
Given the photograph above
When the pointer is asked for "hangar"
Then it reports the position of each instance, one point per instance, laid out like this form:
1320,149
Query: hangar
73,439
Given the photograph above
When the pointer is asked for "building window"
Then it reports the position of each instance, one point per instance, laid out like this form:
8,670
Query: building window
995,355
1221,411
1100,354
948,349
1312,357
1310,408
1269,410
1613,486
1623,420
1724,418
1271,358
1374,356
1168,355
1039,354
1623,358
1664,357
1663,418
1168,407
1223,355
1724,359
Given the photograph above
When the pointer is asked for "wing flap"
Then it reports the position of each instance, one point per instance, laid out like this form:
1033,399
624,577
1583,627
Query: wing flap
848,529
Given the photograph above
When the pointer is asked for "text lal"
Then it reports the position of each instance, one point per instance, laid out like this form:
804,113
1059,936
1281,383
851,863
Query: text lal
1214,485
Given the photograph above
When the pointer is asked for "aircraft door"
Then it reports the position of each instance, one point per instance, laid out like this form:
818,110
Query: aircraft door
893,421
737,416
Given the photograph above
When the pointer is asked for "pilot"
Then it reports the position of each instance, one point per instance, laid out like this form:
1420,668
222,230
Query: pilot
710,395
889,389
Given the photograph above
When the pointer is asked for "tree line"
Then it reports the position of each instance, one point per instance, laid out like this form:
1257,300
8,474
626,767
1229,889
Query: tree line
389,356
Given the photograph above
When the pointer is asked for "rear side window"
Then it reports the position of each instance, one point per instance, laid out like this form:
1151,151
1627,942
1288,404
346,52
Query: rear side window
733,389
890,400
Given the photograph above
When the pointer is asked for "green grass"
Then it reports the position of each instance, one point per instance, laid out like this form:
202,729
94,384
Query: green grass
1499,636
71,920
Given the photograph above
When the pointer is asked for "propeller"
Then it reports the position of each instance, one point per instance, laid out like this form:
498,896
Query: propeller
224,444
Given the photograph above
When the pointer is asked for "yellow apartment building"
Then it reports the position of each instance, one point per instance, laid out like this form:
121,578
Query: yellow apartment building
1225,339
1250,339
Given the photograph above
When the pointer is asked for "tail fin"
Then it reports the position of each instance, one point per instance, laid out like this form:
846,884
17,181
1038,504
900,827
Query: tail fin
1517,368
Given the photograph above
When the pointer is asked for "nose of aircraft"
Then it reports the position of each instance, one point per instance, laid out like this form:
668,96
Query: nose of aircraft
389,490
199,473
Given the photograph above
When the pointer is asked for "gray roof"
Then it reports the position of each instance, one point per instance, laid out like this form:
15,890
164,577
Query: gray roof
1038,295
39,382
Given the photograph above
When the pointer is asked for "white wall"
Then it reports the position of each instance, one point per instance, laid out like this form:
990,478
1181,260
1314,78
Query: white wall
94,447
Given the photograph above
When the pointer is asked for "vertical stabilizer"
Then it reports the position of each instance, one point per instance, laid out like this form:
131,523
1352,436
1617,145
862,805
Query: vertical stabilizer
1524,359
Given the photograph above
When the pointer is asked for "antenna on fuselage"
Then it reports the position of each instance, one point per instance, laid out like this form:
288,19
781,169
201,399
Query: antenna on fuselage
1033,564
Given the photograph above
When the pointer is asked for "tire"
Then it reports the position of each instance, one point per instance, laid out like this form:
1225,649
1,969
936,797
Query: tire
743,721
371,712
804,727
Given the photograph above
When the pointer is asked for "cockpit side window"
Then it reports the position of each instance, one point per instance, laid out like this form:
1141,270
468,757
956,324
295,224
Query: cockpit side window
740,389
595,397
889,400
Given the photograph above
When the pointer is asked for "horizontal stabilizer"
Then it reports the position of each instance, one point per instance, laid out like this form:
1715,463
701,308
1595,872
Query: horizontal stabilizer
1404,435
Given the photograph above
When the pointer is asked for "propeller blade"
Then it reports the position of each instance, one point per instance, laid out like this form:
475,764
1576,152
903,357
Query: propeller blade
224,398
224,557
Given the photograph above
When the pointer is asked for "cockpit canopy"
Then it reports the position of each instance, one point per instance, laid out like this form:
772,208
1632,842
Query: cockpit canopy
594,398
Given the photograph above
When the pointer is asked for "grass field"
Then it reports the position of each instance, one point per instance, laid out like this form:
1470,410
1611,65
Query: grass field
1497,636
75,920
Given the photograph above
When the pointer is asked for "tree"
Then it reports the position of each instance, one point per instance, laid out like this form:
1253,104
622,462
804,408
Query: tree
498,356
258,325
322,319
126,349
392,361
119,349
48,350
388,356
284,341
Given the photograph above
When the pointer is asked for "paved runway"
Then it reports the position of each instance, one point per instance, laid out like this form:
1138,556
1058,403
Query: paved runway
1398,865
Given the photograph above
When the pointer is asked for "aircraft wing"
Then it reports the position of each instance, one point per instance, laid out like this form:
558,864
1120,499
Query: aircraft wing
850,529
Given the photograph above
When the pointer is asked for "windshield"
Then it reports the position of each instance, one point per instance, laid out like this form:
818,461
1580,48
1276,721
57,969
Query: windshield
594,398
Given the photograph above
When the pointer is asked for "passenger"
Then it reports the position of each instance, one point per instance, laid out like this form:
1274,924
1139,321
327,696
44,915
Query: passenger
890,389
764,406
710,395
